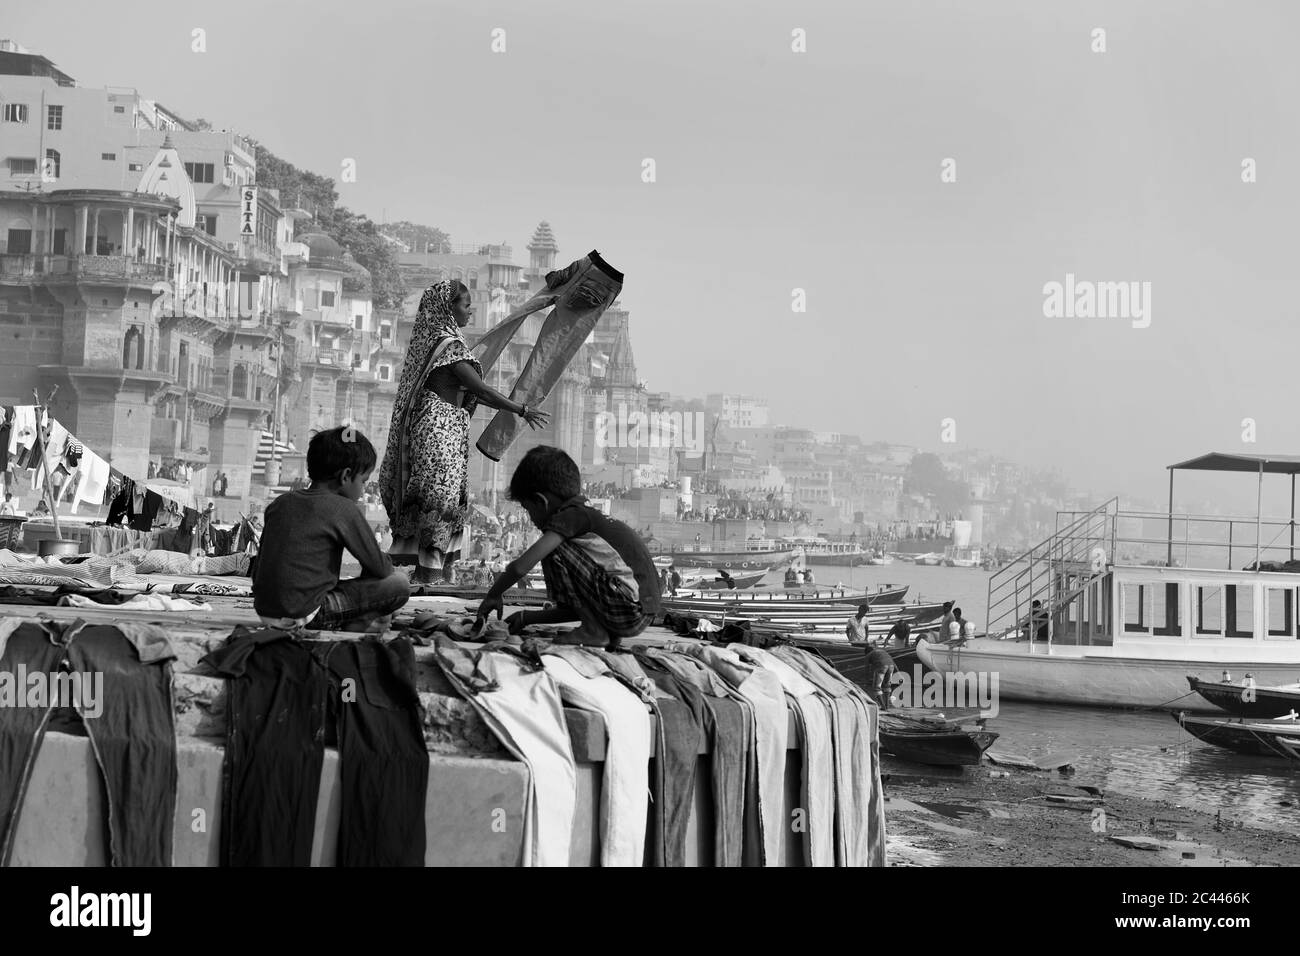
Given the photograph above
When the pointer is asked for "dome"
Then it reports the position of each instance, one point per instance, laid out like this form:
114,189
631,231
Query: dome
321,246
354,267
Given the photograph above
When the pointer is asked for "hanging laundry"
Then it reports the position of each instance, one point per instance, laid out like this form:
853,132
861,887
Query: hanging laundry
94,483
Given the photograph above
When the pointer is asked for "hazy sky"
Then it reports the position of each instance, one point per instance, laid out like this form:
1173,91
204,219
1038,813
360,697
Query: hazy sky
821,171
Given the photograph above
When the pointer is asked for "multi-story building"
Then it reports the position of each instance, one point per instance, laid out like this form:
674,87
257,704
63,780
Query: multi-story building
140,272
738,411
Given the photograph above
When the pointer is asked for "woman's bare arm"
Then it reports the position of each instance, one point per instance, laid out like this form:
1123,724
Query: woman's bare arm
468,378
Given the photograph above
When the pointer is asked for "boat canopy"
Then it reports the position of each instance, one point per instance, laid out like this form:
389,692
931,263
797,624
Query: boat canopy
1232,461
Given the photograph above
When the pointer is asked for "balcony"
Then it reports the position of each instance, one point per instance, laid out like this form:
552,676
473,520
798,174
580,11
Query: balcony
20,267
103,268
336,358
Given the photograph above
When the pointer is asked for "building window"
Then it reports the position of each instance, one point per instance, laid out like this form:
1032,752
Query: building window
54,117
359,323
21,167
385,331
356,360
15,113
119,109
111,157
20,242
206,222
200,172
53,162
386,372
327,300
135,167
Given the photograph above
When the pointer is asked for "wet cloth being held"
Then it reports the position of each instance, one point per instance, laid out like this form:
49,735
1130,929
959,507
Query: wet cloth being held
580,292
424,477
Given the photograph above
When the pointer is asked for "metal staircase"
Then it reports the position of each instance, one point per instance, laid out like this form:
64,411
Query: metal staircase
1055,571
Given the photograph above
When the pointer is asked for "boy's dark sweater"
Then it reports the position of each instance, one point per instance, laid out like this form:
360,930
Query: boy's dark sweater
302,548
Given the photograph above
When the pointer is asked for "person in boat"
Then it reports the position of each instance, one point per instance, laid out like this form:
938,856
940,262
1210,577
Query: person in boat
791,577
960,629
1036,624
948,617
857,630
726,579
808,577
900,634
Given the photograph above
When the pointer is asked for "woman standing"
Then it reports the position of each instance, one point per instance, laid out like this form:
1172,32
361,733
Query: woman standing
424,480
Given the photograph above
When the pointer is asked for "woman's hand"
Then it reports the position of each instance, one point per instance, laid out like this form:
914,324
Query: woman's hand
536,419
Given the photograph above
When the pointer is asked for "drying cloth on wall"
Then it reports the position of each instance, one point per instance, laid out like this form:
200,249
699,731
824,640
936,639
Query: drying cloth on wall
521,704
624,801
277,694
127,713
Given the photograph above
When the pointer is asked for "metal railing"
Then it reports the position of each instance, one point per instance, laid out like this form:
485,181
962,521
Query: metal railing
1055,571
1208,542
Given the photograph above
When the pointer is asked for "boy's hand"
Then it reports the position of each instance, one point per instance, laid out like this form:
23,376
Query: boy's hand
517,622
490,604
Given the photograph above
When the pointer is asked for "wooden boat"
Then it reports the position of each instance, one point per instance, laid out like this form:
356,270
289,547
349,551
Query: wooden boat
810,596
1245,701
850,660
935,739
731,560
1252,737
744,580
954,748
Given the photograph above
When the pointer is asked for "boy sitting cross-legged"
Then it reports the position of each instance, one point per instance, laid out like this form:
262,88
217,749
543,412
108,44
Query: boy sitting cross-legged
597,570
296,579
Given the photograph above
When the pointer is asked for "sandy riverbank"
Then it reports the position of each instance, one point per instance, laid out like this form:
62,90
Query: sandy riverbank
974,816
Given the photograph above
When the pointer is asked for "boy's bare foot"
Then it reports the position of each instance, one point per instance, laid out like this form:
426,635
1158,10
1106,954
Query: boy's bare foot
581,637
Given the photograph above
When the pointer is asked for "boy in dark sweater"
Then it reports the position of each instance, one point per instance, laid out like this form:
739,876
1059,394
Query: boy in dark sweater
296,580
598,572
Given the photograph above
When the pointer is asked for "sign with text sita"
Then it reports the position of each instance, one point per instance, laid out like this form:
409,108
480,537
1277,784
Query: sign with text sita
248,214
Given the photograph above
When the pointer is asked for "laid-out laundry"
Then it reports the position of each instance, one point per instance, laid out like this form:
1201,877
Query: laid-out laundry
140,602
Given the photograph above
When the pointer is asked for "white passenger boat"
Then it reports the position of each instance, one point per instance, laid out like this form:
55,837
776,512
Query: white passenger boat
1130,635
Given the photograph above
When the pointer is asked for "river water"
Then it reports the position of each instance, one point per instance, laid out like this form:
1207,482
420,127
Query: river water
1142,754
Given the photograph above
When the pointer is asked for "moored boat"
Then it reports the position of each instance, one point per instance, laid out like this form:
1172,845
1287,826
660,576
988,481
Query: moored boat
1131,634
731,560
1252,737
942,748
1248,699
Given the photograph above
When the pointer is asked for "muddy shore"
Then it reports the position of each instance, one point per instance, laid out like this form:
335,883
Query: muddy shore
993,816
